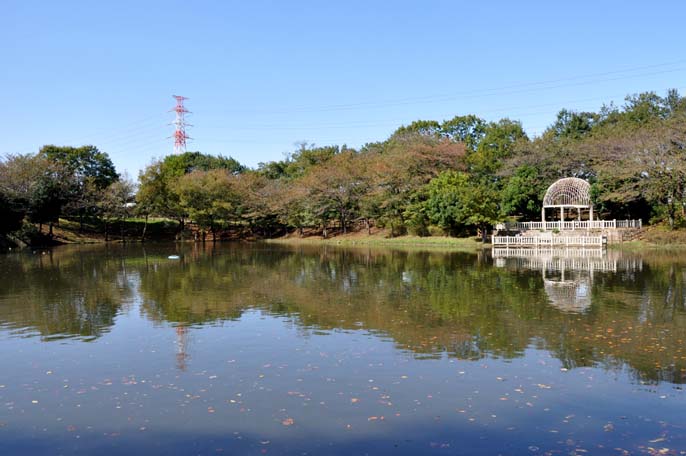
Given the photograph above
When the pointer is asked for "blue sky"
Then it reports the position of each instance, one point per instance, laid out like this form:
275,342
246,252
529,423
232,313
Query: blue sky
264,75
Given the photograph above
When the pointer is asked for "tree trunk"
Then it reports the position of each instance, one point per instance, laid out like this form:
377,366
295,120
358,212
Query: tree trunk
50,231
145,228
484,234
121,230
324,232
369,226
179,231
81,221
106,233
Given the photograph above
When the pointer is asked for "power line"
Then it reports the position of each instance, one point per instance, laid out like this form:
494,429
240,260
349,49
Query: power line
512,111
505,90
143,127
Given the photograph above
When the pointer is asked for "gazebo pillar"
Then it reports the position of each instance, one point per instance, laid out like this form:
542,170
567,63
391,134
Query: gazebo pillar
543,217
590,214
562,217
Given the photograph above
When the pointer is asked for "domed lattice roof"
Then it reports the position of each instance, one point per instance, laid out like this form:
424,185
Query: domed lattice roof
570,191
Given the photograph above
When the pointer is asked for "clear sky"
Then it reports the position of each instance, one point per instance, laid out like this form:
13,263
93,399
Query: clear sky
264,75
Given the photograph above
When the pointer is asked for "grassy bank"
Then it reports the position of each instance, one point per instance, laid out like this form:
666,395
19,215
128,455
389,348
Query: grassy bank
91,232
381,239
656,238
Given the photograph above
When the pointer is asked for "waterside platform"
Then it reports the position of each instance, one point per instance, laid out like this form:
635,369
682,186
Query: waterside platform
549,241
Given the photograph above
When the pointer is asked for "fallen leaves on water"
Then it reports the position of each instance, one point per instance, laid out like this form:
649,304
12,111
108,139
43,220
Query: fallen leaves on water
659,451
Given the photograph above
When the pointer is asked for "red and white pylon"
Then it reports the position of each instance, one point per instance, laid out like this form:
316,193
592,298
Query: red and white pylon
180,136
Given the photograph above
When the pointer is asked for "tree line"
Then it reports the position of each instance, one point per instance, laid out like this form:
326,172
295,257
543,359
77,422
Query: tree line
454,177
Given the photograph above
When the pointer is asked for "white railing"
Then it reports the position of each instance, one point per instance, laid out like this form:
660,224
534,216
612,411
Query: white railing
547,252
565,258
535,241
572,225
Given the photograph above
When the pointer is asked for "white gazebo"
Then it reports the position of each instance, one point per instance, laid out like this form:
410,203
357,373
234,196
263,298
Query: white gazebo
568,193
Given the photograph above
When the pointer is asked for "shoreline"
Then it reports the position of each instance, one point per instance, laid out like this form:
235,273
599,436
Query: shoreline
430,242
653,238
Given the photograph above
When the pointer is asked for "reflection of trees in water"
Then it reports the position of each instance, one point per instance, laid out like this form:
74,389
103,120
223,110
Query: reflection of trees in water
430,304
625,320
64,293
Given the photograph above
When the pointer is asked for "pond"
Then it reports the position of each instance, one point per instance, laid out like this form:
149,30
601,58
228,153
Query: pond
268,349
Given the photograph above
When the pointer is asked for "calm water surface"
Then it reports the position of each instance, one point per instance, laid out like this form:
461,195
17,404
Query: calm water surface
277,350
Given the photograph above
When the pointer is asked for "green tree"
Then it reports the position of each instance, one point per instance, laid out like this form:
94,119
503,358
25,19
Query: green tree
156,192
469,130
498,144
86,162
92,171
444,205
116,204
41,185
403,165
208,197
456,199
574,125
420,127
309,156
12,212
522,193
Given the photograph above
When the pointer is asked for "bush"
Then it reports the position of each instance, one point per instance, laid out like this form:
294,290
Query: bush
436,231
29,235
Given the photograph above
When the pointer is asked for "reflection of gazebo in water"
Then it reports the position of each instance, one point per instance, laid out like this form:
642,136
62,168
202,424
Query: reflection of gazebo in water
570,193
567,273
568,295
181,346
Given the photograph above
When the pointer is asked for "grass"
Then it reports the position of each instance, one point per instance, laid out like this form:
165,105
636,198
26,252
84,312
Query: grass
380,239
68,232
656,238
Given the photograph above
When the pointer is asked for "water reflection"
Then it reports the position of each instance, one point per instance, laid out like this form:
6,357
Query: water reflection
253,349
64,293
567,273
611,310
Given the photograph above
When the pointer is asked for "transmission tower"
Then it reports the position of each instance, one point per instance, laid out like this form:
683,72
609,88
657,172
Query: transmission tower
180,136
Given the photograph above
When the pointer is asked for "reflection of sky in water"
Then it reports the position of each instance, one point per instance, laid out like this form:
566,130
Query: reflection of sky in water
241,350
